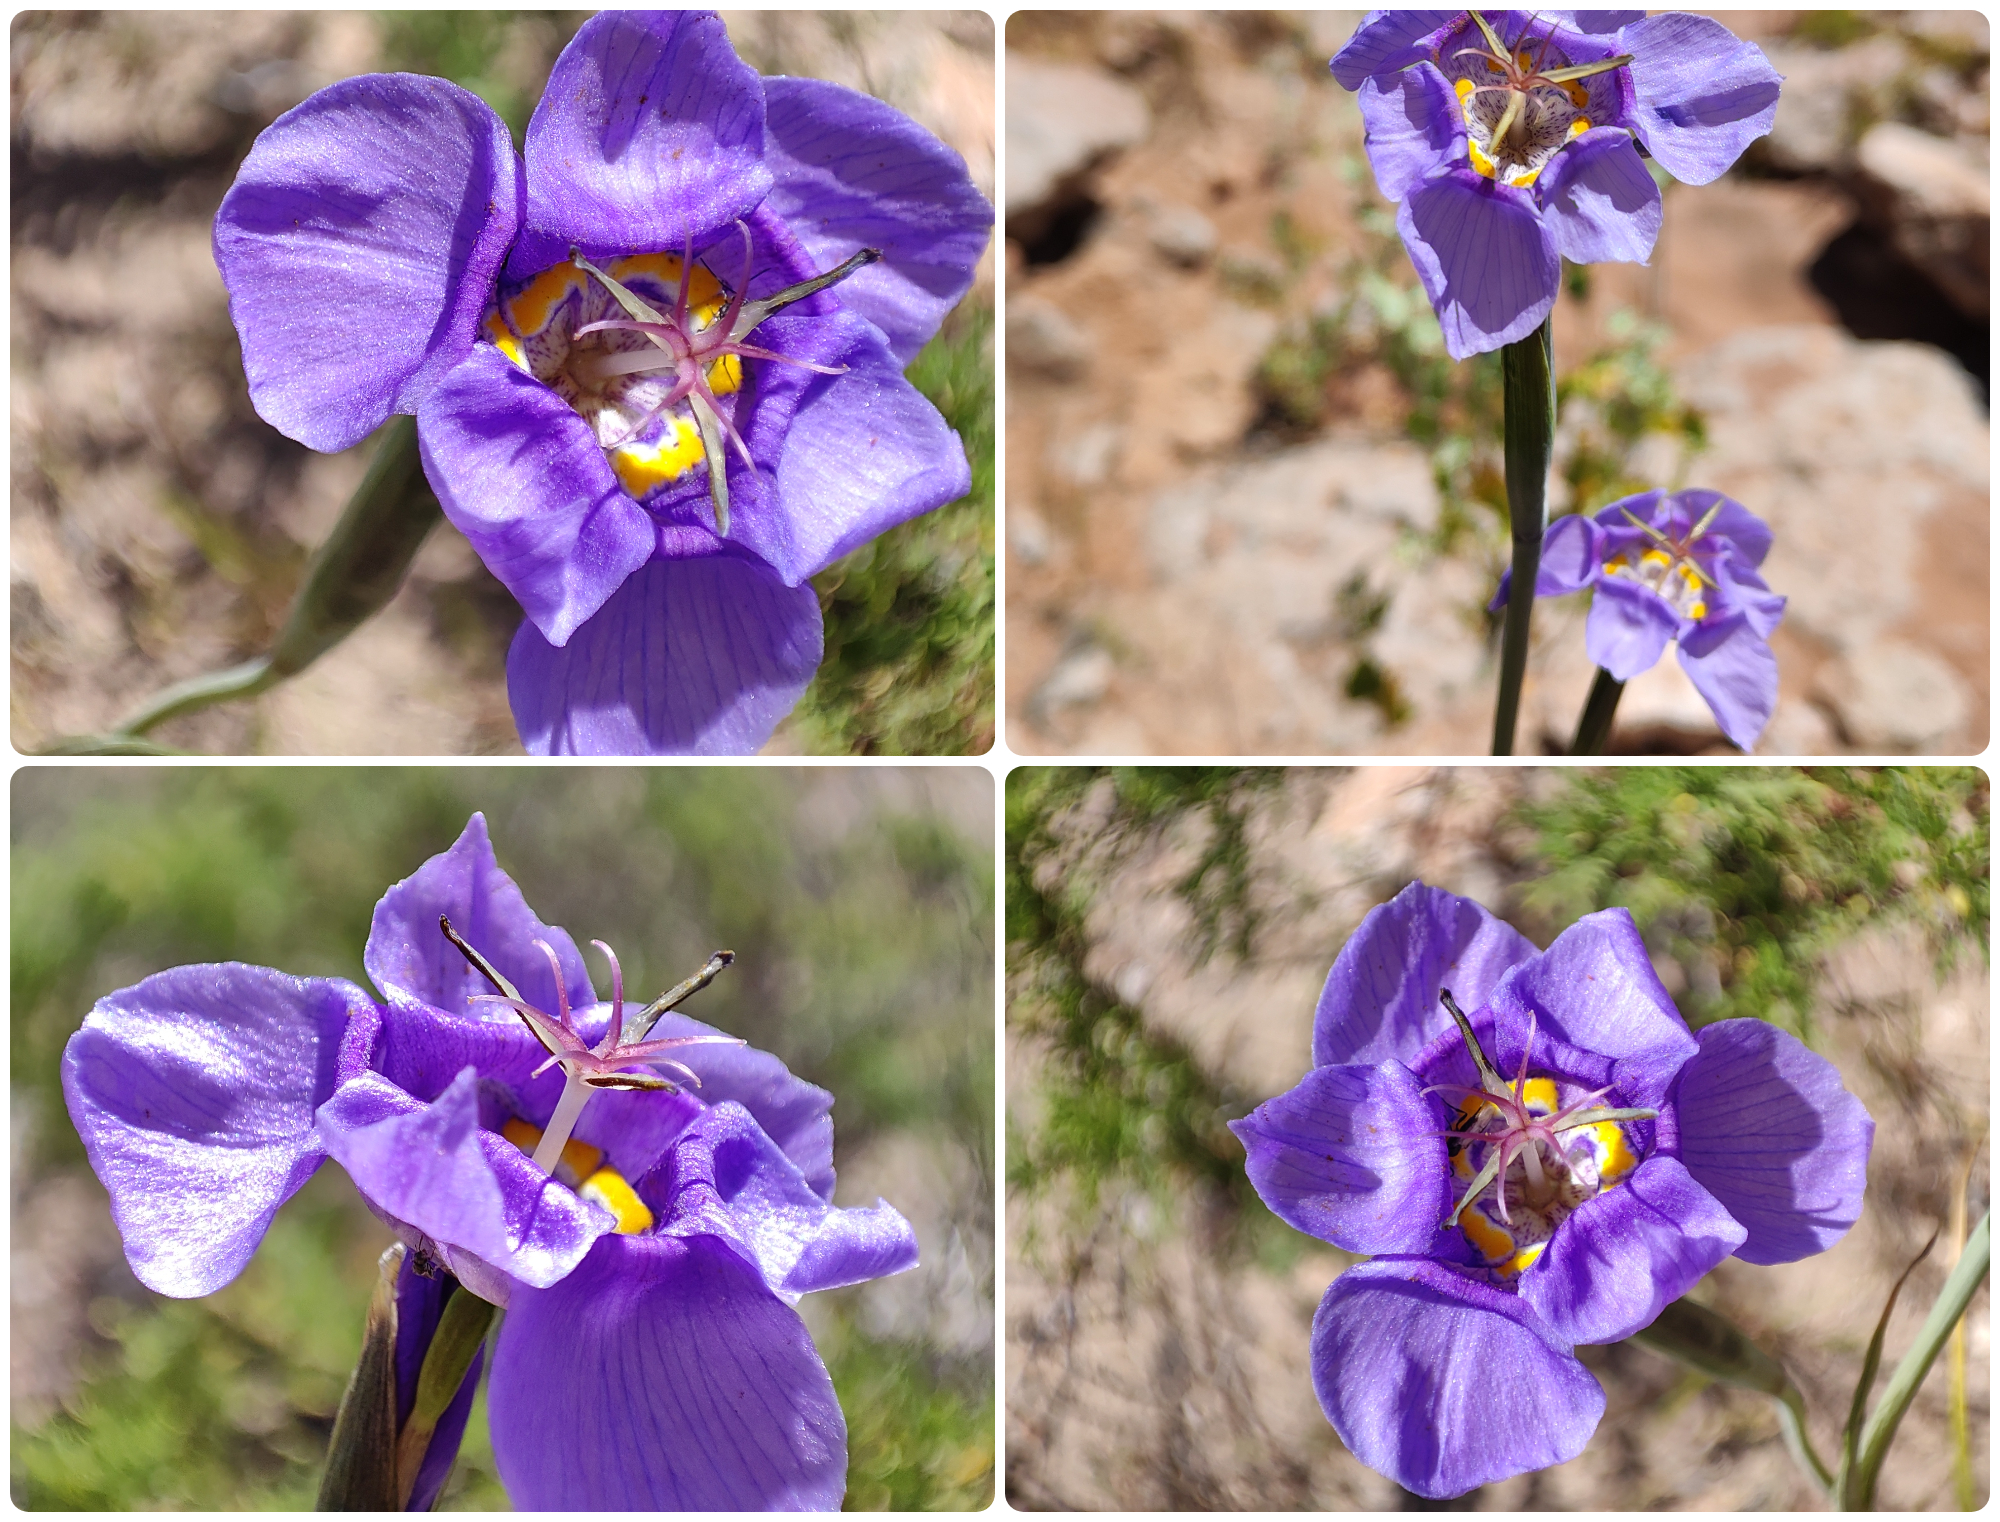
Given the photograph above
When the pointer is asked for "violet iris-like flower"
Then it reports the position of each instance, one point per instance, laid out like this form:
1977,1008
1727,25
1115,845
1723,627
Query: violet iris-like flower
650,1357
1549,1170
1513,140
656,364
1678,566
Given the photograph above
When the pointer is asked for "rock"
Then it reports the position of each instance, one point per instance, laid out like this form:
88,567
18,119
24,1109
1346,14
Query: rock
1894,697
1933,196
1089,456
1028,534
1041,336
1824,94
1060,120
1181,235
1078,680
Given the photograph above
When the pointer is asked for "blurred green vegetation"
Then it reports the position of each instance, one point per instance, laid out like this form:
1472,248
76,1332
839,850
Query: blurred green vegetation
1747,875
860,907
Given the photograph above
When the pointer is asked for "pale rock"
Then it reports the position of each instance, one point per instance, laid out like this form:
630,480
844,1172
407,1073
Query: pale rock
1079,679
1895,697
1181,235
1089,456
1028,534
1933,195
1824,92
1041,337
1060,120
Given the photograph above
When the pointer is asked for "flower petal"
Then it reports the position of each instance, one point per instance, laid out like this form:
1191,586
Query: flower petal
1380,1002
724,1178
1628,628
1351,1156
1735,672
1596,989
431,1167
360,244
1749,534
663,1375
1386,41
850,172
1413,123
695,657
419,1305
651,131
1767,1126
194,1094
1600,201
1704,95
1614,1265
1572,559
1443,1383
408,957
1487,264
521,476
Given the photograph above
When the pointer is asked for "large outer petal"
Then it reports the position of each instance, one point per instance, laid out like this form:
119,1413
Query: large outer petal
431,1167
194,1094
1352,1156
690,657
1380,1002
1386,41
850,172
521,476
1600,201
1443,1383
1413,123
1572,559
408,957
360,244
1704,95
651,132
1614,1265
1628,628
1735,672
1767,1126
663,1375
1596,989
1486,262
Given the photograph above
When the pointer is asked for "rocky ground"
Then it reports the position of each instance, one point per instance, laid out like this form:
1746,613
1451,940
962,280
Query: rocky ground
1184,192
158,525
1150,1369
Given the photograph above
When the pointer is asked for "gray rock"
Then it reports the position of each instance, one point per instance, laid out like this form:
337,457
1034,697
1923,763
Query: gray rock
1933,196
1894,697
1060,119
1825,93
1041,337
1078,680
1181,235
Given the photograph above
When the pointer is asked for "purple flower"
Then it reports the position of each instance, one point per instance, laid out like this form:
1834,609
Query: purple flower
650,1357
1679,567
635,393
1516,142
1552,1170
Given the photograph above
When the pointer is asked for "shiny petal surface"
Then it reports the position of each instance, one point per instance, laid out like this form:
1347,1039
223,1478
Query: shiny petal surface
1735,672
1351,1156
194,1094
359,245
1596,989
432,1167
1386,41
1629,627
521,476
1380,1002
849,172
1615,1264
690,657
1704,95
1767,1127
1413,124
409,958
1442,1383
651,131
1487,264
1599,200
663,1375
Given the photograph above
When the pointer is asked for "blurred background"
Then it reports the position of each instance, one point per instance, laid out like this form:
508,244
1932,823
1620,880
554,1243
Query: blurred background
159,526
1169,930
860,906
1253,507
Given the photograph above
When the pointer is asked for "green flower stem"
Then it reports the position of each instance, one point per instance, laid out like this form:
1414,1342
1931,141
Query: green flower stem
360,1456
351,577
461,1328
1593,728
1857,1488
1711,1344
1529,434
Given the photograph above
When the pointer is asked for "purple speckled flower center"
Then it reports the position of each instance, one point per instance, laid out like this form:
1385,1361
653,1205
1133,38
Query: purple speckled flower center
1516,118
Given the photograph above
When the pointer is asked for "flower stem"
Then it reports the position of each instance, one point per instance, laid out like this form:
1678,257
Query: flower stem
1594,727
561,1124
1528,434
